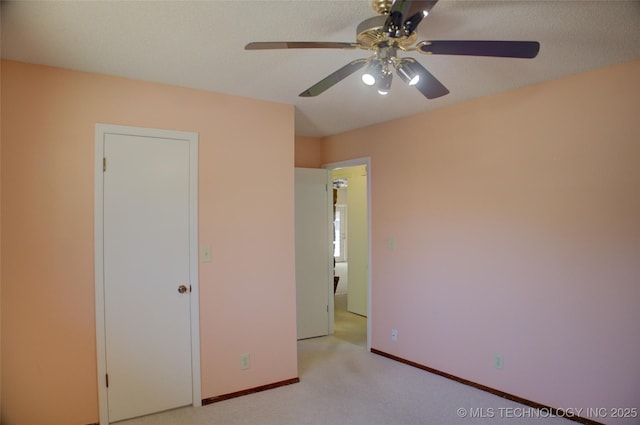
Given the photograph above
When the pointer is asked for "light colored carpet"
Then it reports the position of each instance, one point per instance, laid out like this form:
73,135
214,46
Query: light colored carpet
341,383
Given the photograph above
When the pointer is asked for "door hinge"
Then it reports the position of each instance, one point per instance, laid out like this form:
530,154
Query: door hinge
104,164
107,379
327,308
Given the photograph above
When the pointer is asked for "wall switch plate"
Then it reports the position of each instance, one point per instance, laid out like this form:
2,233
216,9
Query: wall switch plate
205,254
394,334
498,361
245,362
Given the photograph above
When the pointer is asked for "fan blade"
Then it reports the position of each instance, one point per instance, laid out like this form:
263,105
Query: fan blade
423,6
416,13
428,85
263,45
405,15
334,78
393,24
505,49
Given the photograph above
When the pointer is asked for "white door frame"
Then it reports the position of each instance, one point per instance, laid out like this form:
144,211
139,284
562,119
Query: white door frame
192,138
366,161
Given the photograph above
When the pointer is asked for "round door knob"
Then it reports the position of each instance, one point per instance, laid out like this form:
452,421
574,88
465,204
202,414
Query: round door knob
182,289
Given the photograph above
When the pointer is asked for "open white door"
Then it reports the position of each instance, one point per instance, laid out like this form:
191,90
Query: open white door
148,272
314,252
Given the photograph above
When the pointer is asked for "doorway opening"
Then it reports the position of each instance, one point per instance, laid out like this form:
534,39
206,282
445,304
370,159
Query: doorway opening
340,226
351,250
351,311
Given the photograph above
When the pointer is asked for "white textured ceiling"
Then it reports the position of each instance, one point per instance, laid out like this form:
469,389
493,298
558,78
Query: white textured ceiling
199,44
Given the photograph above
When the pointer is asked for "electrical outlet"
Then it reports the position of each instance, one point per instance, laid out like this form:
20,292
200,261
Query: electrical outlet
498,361
394,334
245,362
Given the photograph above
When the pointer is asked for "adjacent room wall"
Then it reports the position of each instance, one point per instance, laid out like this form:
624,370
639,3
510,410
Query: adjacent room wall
247,293
357,237
308,152
517,232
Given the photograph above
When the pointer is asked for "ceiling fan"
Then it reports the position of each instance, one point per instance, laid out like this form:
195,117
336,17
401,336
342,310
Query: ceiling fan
394,31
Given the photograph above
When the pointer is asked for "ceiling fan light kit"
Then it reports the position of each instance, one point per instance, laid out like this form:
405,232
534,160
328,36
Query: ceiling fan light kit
384,83
393,31
372,73
406,73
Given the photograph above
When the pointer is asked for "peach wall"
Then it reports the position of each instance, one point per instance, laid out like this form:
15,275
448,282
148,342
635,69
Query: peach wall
247,293
308,152
517,231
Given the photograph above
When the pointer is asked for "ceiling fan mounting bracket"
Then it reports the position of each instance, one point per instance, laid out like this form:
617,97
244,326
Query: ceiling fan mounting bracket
382,7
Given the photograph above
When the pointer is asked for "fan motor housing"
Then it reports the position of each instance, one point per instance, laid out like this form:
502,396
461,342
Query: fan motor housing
370,34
